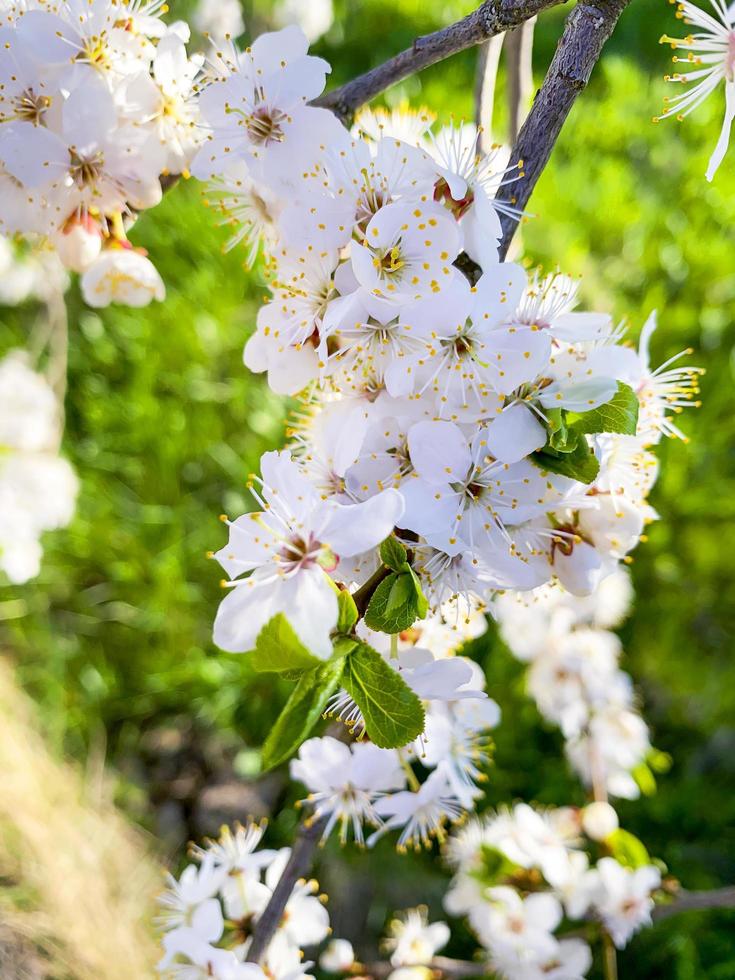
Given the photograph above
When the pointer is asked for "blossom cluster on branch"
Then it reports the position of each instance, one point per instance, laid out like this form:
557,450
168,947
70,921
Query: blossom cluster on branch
97,102
462,446
454,441
207,913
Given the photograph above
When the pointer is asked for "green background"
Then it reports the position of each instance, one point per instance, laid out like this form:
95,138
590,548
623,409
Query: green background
164,423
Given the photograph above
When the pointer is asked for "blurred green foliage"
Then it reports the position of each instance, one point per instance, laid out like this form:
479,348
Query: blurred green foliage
164,423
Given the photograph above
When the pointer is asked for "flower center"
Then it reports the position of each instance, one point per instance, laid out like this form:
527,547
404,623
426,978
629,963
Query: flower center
298,553
30,107
85,171
95,52
389,262
458,207
265,126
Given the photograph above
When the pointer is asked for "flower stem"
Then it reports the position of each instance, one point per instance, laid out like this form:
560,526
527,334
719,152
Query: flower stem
609,958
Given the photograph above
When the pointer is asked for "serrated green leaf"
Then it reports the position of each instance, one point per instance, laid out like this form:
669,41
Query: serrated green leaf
394,606
347,615
627,849
581,464
620,414
393,554
394,715
302,711
278,649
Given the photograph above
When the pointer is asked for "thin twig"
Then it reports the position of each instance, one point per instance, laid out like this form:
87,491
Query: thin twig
519,58
58,343
719,898
586,30
609,957
486,76
491,18
381,969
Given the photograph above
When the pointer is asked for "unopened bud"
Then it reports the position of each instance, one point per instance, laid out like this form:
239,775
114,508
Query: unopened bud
599,820
337,957
78,243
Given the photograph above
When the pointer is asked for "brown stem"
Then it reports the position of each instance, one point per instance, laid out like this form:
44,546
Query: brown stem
491,18
439,964
719,898
365,593
299,865
586,30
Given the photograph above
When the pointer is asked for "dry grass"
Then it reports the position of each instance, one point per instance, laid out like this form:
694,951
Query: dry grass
80,883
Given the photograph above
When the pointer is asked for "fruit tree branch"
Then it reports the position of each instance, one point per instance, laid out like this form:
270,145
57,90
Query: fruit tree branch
719,898
491,18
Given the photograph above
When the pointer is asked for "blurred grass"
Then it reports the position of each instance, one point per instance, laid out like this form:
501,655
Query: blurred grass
164,424
78,886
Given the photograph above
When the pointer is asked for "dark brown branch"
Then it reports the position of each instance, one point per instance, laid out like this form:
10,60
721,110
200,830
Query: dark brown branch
586,30
719,898
365,593
299,865
491,18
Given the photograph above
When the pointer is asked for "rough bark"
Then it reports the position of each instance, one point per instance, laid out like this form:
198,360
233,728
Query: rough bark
491,18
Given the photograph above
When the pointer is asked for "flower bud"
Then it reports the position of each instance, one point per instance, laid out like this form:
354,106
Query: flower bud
78,243
122,275
599,820
338,956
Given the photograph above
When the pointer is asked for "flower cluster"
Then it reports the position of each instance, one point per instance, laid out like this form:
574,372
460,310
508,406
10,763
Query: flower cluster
37,487
29,273
520,872
351,786
97,102
575,679
455,440
209,912
709,56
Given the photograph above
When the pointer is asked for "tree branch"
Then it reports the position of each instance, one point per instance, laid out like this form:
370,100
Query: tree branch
439,964
684,901
586,30
299,865
491,18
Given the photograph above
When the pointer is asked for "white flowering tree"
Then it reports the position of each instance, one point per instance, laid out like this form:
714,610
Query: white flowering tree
468,444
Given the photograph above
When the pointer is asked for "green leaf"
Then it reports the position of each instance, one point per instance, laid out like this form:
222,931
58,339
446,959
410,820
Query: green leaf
659,761
620,414
393,554
348,614
580,464
645,779
627,849
422,603
394,715
278,649
397,603
494,867
302,711
561,437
